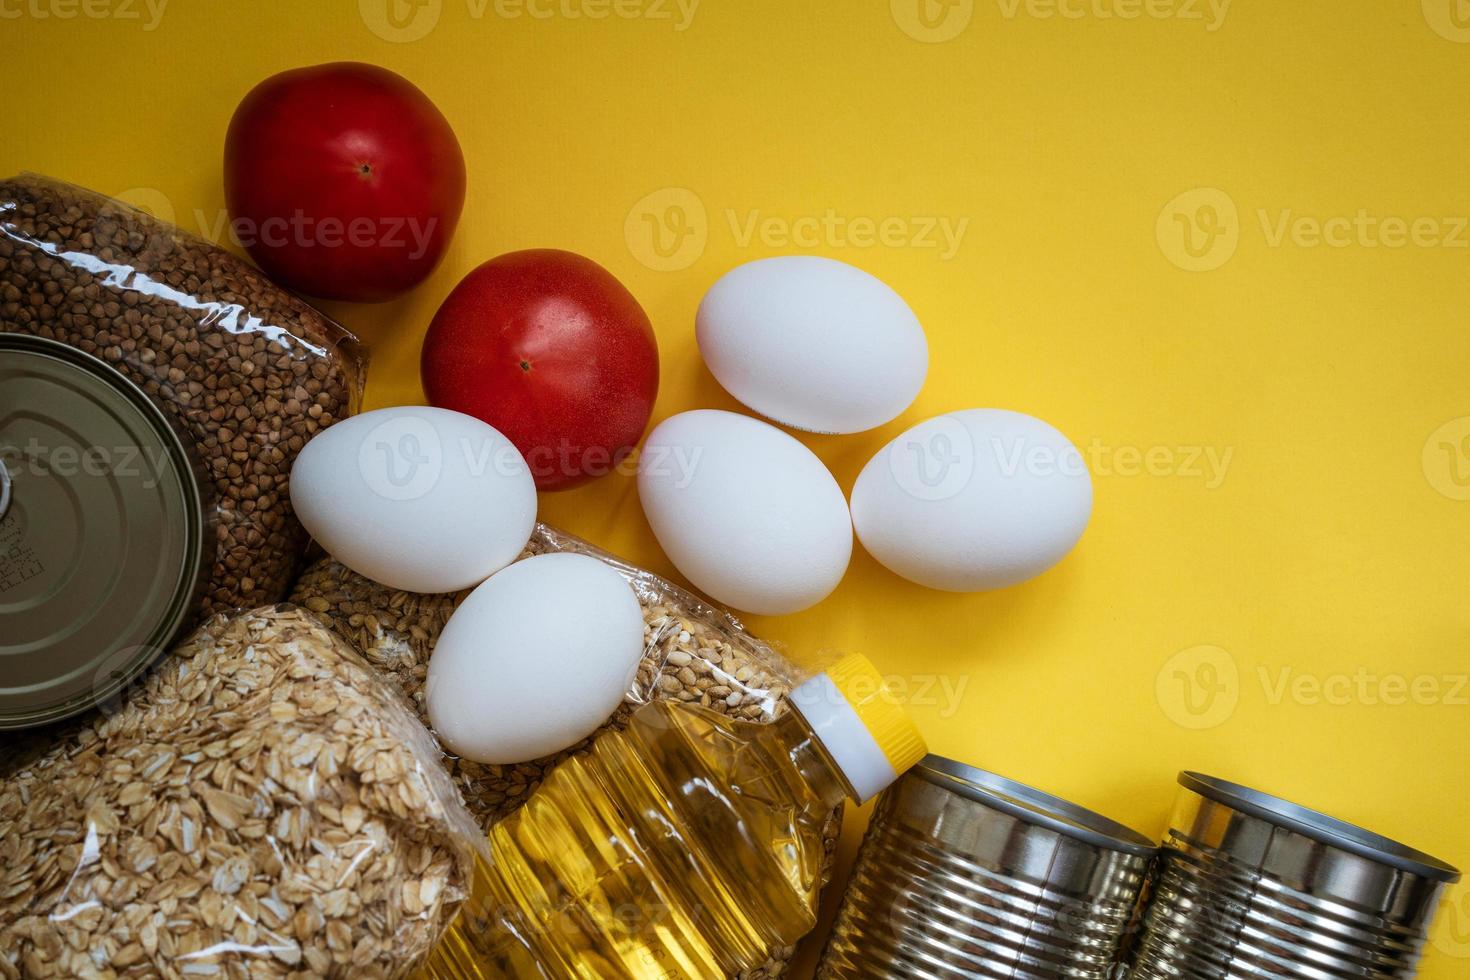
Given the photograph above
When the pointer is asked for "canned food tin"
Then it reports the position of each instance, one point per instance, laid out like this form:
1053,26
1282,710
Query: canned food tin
1249,885
106,533
964,873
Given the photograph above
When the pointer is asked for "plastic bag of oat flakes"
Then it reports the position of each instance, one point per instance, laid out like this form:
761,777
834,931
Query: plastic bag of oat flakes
262,805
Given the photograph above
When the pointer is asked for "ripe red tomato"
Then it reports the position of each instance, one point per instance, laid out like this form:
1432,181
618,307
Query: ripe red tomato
552,350
343,181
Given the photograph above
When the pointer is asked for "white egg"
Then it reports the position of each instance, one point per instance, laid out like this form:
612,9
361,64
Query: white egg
973,500
419,499
813,343
746,512
535,659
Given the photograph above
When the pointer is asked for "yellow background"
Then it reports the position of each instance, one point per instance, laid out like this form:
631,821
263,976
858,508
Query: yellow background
1336,541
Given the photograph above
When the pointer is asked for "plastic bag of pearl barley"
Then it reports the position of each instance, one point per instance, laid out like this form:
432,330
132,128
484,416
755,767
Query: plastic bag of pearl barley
693,652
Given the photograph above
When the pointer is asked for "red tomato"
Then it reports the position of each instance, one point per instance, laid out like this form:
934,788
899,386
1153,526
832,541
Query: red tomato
343,181
554,352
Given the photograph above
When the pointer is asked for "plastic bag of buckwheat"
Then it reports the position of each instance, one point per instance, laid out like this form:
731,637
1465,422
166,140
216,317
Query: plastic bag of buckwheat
249,371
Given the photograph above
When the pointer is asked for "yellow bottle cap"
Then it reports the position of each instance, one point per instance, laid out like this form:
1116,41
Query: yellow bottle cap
858,718
879,709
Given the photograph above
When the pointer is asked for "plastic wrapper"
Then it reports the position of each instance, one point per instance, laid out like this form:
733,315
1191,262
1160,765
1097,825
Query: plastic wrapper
248,370
262,806
693,652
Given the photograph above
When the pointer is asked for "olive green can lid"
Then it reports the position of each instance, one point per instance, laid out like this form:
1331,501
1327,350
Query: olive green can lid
106,532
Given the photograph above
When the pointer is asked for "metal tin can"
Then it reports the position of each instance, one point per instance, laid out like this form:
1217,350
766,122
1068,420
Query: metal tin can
964,873
1249,885
106,532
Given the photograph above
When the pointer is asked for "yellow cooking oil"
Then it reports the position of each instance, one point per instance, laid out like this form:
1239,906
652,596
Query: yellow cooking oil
683,847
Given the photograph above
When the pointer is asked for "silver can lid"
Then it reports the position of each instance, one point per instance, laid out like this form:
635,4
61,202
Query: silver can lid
1319,827
1032,806
105,532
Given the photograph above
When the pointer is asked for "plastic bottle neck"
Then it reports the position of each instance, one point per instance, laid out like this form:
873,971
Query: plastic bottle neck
818,769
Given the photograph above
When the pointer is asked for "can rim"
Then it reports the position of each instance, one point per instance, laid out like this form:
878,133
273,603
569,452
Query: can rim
1033,806
1319,826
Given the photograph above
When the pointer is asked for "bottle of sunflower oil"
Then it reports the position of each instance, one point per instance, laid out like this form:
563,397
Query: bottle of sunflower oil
684,847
